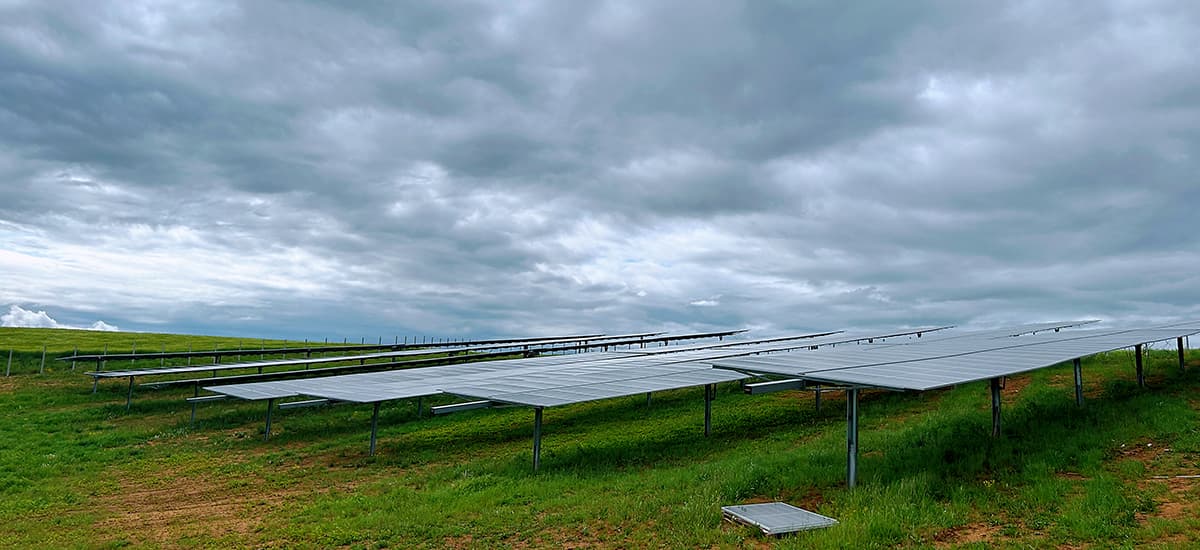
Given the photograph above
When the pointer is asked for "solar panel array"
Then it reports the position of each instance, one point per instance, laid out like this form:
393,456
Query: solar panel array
540,381
948,362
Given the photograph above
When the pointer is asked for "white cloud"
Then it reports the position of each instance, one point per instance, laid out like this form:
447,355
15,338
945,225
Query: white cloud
19,317
101,325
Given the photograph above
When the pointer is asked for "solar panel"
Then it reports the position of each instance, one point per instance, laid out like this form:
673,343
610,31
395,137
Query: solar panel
936,366
799,364
776,518
948,371
396,384
556,394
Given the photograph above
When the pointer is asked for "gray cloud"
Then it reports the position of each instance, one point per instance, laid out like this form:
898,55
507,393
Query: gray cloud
464,168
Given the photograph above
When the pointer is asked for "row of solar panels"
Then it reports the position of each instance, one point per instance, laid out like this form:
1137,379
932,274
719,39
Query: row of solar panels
548,381
525,344
949,362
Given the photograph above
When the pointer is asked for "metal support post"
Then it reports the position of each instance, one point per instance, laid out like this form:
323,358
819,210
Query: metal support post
8,369
1179,344
192,423
374,427
129,395
1078,383
648,398
75,354
1137,361
420,405
851,437
537,438
817,399
995,407
42,368
270,405
95,383
708,397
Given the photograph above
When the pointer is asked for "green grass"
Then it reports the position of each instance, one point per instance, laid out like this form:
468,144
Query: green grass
77,471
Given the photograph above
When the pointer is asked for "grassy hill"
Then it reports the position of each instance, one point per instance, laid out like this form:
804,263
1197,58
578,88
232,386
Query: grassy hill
77,470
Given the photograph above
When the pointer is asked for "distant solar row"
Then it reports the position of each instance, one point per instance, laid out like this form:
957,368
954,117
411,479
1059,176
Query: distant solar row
526,346
533,344
311,347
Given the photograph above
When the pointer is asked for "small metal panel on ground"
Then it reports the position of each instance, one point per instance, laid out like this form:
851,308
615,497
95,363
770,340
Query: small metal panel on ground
776,518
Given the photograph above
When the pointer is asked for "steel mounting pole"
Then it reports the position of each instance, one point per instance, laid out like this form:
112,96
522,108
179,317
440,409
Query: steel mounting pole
817,399
270,405
374,427
1078,383
1179,344
537,438
852,437
1137,362
995,407
129,396
8,369
708,397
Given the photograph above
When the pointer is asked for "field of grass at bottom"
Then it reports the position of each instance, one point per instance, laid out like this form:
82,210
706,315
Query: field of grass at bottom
76,470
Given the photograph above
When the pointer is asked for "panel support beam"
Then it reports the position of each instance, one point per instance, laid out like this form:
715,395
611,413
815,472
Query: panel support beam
460,407
1137,362
537,438
267,433
774,386
195,400
852,437
374,427
708,398
1078,383
995,407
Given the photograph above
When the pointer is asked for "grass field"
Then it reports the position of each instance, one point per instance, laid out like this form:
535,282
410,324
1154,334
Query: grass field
76,470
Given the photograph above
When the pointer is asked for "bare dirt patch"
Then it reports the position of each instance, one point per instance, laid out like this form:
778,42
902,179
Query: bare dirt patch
966,534
1176,504
170,506
7,385
1014,385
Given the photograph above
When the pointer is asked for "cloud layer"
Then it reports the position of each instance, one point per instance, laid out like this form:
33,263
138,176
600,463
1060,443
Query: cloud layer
18,316
475,168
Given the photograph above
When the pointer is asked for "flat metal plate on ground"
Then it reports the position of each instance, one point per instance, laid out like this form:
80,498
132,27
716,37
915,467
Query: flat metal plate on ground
776,518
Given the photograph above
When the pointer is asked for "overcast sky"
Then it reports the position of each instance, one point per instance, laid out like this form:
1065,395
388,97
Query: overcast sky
510,168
